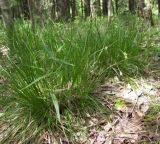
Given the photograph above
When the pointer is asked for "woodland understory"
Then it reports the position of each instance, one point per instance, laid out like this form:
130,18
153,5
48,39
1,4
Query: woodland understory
79,72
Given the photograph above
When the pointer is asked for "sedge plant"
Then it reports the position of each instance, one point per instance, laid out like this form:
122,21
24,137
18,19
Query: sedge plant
54,69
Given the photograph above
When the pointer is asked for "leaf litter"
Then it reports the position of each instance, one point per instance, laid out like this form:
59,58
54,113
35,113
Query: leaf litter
127,124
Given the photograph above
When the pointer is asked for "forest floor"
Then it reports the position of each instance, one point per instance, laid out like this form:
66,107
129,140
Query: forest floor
133,118
130,101
131,104
134,105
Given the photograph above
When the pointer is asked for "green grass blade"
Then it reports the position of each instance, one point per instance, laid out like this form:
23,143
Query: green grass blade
35,81
56,106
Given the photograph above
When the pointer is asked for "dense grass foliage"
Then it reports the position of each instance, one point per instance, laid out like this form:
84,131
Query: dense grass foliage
54,69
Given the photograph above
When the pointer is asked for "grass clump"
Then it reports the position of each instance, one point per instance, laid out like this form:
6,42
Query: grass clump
54,69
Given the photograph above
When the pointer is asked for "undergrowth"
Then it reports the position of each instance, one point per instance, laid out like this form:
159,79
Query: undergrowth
54,69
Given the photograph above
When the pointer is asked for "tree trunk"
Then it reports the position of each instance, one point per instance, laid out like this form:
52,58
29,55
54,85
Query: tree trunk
53,10
105,7
158,1
73,8
35,11
131,5
0,13
99,8
96,8
141,6
82,8
116,6
148,12
63,9
109,10
25,9
145,11
87,8
31,13
68,6
6,13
